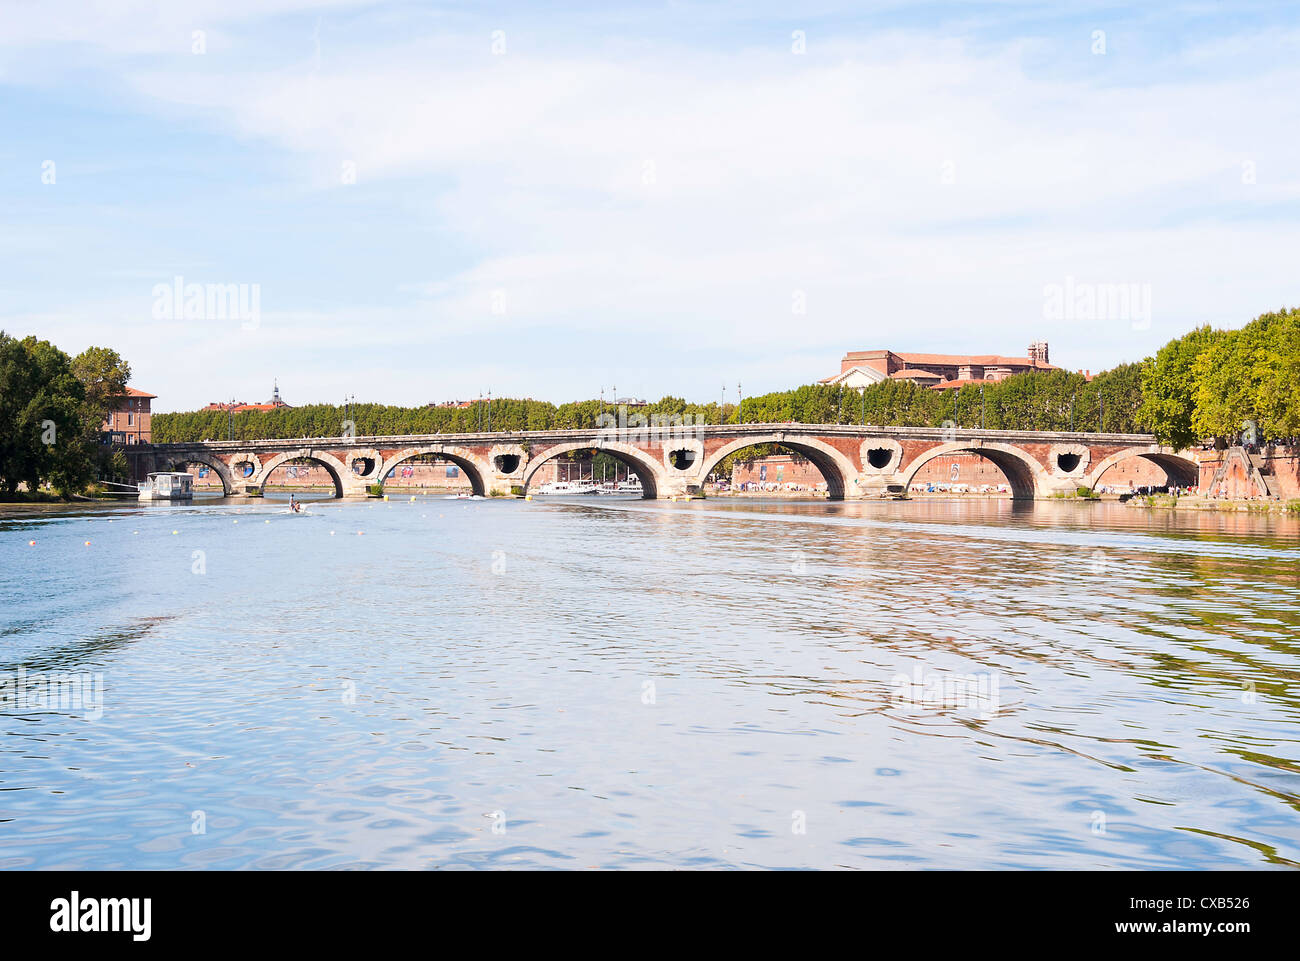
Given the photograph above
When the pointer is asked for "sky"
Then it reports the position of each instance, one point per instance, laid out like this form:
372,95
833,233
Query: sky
423,202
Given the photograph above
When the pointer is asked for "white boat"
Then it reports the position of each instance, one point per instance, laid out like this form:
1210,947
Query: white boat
167,486
632,486
566,487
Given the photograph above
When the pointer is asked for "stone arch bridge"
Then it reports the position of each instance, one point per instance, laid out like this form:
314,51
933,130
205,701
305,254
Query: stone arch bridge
673,461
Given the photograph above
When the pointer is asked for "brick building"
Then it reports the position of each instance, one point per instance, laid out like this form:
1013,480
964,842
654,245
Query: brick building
862,368
129,420
239,406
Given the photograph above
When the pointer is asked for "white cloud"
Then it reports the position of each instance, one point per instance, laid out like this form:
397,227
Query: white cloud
691,191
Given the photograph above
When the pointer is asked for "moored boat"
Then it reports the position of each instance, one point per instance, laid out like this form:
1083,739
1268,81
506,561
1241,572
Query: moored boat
167,486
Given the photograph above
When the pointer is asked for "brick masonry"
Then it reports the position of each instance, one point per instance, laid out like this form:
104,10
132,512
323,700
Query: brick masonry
853,462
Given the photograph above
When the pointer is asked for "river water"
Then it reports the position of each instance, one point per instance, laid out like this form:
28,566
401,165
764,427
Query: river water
621,683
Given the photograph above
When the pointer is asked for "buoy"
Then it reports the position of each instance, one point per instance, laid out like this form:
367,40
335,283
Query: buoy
31,543
87,543
331,533
359,533
175,532
412,500
528,497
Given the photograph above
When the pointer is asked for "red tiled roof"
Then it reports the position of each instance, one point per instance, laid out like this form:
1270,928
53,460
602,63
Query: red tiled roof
132,392
962,360
914,372
961,382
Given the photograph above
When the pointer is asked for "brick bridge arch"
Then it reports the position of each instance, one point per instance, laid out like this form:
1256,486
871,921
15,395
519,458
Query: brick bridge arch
834,466
650,472
1026,476
337,470
1183,471
222,469
475,468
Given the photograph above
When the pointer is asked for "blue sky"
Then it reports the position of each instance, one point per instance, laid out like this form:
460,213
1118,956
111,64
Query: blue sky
662,197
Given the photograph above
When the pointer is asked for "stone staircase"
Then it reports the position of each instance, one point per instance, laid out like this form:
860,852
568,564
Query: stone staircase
1257,472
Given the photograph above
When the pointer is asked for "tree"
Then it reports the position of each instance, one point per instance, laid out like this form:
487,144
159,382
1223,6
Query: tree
1169,388
104,375
1277,391
42,419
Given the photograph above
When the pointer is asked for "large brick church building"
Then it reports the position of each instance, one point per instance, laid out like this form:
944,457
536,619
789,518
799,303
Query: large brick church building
861,368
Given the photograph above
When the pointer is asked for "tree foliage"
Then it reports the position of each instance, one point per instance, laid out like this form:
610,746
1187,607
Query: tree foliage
49,417
1222,385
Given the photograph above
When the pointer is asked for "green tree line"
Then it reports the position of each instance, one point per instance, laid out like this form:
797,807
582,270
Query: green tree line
1056,400
52,409
1207,384
1227,385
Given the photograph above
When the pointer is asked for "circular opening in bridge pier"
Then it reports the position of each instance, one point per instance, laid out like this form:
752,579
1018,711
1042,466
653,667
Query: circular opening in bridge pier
879,457
244,469
681,459
361,466
507,463
1067,462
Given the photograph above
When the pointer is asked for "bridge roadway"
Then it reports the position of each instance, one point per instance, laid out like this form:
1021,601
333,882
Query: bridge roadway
674,460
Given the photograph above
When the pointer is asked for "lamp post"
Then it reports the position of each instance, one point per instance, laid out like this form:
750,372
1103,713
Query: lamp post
723,405
981,406
740,404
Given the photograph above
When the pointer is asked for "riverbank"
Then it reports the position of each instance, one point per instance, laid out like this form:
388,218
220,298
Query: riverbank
92,495
1190,502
